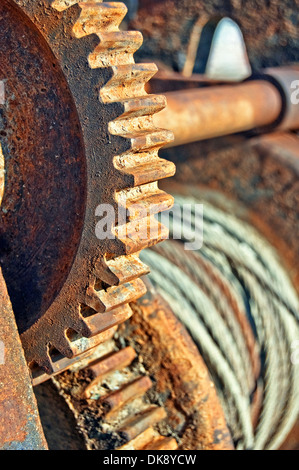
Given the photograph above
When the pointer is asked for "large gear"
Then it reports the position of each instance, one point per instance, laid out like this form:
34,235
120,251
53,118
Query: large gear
76,131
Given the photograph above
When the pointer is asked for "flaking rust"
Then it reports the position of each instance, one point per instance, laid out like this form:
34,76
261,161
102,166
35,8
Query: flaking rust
182,381
108,395
94,103
20,427
155,393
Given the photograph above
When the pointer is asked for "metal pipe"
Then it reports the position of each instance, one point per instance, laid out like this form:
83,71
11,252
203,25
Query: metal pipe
205,113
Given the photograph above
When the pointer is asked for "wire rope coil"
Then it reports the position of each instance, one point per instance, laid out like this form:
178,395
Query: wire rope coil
238,303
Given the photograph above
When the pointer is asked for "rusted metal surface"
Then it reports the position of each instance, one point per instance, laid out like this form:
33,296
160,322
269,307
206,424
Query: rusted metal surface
154,394
80,347
2,174
141,441
287,80
20,427
44,155
194,412
135,426
109,395
197,109
269,28
148,440
104,321
101,368
88,136
116,400
201,114
166,443
259,179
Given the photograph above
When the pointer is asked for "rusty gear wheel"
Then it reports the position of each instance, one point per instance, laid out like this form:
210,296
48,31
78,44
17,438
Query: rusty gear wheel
76,131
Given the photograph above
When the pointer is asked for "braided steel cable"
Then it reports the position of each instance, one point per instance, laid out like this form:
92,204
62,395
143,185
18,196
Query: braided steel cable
238,303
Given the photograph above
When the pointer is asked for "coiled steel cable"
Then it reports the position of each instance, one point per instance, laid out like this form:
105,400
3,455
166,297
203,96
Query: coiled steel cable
239,305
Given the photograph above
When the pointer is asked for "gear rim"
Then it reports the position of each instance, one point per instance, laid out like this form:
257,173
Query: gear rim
77,36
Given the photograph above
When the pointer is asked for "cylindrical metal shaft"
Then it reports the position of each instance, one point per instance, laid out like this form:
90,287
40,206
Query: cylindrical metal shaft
204,113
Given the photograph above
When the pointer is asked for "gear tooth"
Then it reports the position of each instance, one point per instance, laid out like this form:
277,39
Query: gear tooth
149,417
61,5
104,366
80,346
98,17
150,140
142,106
115,49
143,140
144,201
128,81
145,170
93,300
45,362
139,166
121,270
113,402
132,127
80,326
114,297
83,345
64,346
141,134
141,234
127,268
102,322
102,271
162,443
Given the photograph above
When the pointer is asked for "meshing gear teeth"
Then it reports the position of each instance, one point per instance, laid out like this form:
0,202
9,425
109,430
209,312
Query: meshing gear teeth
121,147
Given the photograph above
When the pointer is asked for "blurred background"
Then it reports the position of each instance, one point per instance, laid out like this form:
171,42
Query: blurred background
253,180
270,28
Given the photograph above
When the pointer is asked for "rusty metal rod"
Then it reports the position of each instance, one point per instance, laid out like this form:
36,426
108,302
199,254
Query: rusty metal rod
20,425
205,113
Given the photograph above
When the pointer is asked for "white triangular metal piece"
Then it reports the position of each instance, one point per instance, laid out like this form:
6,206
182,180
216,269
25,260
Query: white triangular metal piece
228,59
